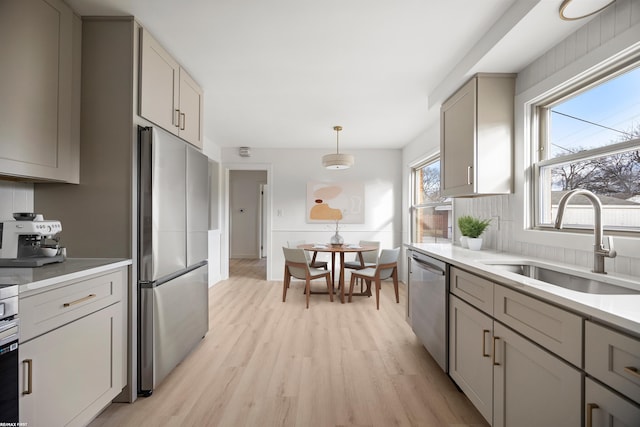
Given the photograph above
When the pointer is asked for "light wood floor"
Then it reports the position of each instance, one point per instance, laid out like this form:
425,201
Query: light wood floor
268,363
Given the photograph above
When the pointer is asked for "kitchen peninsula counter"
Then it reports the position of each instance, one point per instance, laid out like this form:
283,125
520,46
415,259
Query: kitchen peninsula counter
33,279
621,310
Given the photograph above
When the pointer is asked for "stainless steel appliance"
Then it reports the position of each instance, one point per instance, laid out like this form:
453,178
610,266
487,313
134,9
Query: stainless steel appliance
428,308
9,354
24,241
173,314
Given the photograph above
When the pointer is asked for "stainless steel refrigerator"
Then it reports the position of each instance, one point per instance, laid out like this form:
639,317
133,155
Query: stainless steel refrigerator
173,223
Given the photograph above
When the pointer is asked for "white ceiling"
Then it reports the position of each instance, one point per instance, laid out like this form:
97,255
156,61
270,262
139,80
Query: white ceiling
282,73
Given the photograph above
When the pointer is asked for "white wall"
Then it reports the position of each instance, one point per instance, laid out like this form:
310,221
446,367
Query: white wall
288,174
614,32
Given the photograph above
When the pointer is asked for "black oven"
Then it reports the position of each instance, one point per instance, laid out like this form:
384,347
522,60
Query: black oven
9,354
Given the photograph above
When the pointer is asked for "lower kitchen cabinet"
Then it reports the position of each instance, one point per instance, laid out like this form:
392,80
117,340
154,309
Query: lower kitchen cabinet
531,386
604,408
66,372
612,357
69,373
510,380
470,363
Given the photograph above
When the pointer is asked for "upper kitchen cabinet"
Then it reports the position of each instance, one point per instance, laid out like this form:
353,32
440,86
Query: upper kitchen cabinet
476,137
40,90
169,97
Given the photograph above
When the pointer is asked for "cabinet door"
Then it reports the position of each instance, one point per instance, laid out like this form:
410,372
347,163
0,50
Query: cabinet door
69,374
603,408
190,110
39,88
470,365
613,358
457,148
159,85
532,387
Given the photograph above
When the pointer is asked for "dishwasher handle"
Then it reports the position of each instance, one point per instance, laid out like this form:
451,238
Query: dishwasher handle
429,267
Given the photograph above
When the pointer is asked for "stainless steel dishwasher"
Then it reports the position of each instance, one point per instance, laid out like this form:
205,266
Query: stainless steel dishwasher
428,310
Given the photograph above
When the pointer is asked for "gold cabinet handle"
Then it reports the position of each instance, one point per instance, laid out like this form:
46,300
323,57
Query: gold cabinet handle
632,370
78,301
590,408
29,363
484,340
493,356
176,118
184,120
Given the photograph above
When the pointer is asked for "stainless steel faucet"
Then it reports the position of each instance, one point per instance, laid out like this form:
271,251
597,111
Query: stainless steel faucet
599,251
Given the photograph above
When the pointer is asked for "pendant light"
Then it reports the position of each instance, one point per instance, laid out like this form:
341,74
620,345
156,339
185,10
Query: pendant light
571,10
338,160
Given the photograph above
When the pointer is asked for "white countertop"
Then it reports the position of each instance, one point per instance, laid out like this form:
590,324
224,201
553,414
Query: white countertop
622,311
72,268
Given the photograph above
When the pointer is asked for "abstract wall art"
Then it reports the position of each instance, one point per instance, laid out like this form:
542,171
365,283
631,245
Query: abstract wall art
330,202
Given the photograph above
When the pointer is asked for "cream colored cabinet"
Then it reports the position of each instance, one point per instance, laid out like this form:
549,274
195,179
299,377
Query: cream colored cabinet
190,120
470,364
476,137
40,90
73,353
604,408
510,379
159,85
613,358
473,289
169,97
532,387
551,327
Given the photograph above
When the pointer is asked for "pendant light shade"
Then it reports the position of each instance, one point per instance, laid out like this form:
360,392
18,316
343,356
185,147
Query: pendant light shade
337,160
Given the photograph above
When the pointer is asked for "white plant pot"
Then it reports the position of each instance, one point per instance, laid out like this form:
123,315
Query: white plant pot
463,241
474,243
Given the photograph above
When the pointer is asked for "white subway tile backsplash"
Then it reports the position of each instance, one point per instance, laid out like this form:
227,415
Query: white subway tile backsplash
619,264
623,17
584,259
593,33
15,197
569,256
607,25
635,269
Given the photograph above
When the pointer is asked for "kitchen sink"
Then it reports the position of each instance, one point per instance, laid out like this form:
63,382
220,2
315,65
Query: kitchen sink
553,275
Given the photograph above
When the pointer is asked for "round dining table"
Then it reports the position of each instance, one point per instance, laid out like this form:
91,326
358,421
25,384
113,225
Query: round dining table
341,250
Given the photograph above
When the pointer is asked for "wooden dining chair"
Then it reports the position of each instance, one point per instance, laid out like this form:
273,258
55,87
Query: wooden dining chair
296,266
387,266
311,260
370,258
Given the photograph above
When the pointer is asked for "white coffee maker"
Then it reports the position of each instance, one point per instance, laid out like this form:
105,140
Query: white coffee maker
29,241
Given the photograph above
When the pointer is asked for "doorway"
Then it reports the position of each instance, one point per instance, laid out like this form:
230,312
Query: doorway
248,215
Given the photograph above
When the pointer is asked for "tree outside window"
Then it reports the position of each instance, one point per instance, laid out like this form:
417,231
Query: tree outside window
431,213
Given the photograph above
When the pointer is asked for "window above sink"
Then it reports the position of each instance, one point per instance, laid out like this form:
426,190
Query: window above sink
589,138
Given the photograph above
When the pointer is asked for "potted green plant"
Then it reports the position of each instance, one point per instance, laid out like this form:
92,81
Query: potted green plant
474,228
464,225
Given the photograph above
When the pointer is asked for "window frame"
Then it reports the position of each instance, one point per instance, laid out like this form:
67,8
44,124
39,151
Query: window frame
415,207
539,125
